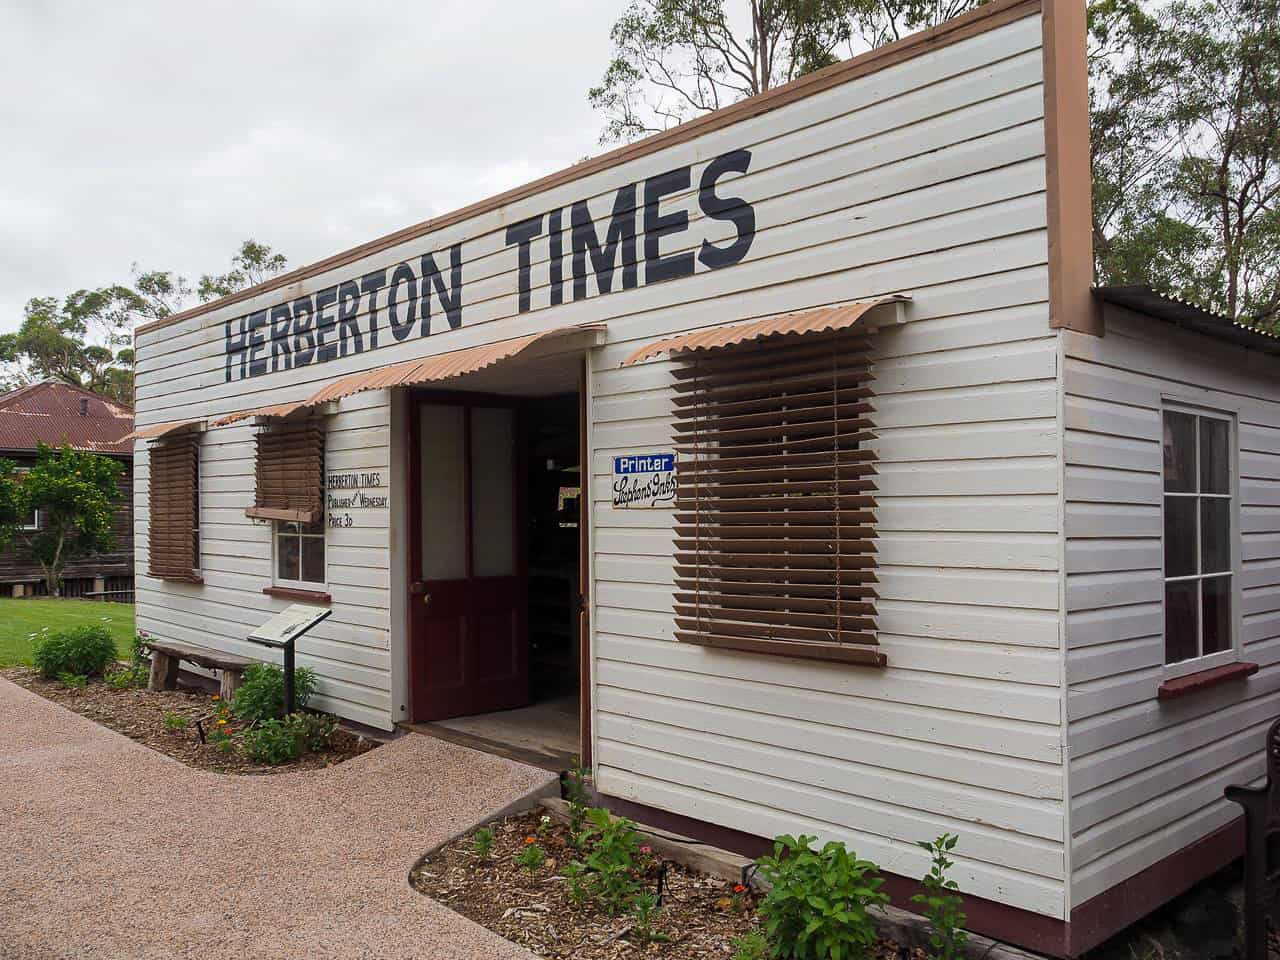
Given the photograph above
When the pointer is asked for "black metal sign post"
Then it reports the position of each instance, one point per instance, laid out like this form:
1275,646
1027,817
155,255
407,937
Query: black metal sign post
281,631
1261,866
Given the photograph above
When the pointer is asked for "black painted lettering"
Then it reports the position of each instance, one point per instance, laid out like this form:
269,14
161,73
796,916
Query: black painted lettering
237,346
325,323
523,234
348,324
734,209
403,275
303,321
622,233
451,298
658,225
556,238
257,343
371,283
281,320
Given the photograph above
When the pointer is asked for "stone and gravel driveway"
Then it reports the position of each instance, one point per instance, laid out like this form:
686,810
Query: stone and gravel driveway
111,850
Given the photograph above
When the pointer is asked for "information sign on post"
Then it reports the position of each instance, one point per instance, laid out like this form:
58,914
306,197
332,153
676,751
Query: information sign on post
281,631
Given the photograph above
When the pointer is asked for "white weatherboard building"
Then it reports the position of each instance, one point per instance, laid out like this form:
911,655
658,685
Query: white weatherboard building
785,467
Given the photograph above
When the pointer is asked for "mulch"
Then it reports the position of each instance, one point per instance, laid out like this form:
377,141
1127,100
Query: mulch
139,714
701,915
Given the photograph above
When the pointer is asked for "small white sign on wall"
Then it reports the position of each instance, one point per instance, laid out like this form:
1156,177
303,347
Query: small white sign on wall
644,480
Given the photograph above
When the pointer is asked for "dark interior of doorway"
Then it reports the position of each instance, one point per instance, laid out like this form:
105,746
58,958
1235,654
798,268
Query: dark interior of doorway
546,732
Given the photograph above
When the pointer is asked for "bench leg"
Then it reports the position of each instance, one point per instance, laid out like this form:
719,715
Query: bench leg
229,683
164,671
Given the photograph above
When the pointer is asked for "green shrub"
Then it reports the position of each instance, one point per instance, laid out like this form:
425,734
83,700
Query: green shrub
175,721
574,788
272,742
941,900
314,730
73,681
531,857
482,842
645,908
612,861
818,905
751,946
83,650
127,677
261,695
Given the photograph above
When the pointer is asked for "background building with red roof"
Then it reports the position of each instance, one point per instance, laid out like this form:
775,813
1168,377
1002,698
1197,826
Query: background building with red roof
53,414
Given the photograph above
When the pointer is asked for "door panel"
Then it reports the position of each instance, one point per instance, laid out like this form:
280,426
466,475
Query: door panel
470,648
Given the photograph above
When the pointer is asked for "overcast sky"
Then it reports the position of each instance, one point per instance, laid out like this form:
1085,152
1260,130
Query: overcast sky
167,132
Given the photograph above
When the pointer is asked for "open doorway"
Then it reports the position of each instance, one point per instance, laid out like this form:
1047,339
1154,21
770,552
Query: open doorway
496,648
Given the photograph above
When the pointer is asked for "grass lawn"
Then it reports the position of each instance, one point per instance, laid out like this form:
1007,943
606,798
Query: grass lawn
19,619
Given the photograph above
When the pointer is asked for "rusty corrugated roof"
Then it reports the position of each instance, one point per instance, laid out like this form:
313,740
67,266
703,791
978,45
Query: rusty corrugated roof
50,413
821,320
274,410
158,430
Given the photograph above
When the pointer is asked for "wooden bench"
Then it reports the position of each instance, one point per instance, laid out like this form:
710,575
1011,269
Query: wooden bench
166,655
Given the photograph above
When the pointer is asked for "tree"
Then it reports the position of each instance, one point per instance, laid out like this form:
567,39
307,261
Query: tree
253,263
84,340
73,494
1185,128
675,59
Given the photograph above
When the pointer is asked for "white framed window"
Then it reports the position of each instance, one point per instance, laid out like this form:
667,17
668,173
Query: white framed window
32,520
300,554
1200,513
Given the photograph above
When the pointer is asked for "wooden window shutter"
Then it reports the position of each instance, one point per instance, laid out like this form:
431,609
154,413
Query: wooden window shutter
174,519
290,472
775,521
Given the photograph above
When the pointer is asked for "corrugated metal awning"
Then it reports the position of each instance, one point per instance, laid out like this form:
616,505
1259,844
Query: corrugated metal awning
1142,298
158,430
275,410
822,320
448,366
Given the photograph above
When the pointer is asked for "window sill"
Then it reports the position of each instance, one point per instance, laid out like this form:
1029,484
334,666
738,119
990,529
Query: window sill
867,655
292,593
1193,682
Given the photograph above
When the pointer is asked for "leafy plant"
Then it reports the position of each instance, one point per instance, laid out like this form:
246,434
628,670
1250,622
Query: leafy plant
575,873
819,901
314,730
73,681
261,694
941,901
532,856
645,907
482,842
576,796
175,721
612,861
221,740
85,650
124,679
272,742
751,946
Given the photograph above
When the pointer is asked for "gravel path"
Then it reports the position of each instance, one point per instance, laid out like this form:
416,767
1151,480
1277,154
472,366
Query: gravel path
111,850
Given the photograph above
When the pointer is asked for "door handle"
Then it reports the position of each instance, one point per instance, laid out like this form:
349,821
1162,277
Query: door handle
426,598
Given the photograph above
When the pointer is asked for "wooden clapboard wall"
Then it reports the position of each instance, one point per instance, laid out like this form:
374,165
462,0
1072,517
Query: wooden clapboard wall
926,178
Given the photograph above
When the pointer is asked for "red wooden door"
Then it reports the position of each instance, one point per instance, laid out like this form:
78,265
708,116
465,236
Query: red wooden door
469,646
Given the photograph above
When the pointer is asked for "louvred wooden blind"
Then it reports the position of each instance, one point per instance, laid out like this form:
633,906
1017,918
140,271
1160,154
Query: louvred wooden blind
290,472
174,519
775,521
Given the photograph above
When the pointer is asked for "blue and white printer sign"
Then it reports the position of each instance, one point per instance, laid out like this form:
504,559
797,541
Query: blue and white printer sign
644,480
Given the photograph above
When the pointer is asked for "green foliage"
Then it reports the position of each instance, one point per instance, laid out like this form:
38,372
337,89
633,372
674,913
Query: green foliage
819,903
252,264
531,857
81,650
75,494
611,863
176,721
73,681
751,946
941,902
261,694
126,678
313,730
482,842
645,908
272,742
576,875
576,796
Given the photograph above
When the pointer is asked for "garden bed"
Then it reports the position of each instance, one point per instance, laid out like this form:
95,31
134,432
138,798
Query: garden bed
151,717
700,916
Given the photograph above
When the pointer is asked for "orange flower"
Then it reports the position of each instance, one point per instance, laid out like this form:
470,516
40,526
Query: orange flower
216,698
739,888
529,840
